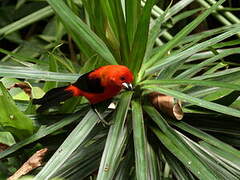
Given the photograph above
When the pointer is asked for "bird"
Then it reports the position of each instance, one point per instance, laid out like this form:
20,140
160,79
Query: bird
96,86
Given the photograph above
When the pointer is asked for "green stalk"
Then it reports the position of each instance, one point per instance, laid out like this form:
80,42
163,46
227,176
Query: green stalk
25,21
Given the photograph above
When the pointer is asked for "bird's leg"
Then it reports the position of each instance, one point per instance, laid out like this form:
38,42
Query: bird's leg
100,116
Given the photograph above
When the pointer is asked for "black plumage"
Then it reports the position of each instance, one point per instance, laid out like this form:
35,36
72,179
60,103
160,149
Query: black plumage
91,85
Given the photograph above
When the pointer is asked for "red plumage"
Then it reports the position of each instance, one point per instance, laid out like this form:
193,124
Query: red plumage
97,86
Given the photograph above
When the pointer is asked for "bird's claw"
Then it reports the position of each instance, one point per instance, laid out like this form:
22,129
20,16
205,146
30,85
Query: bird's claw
101,119
104,122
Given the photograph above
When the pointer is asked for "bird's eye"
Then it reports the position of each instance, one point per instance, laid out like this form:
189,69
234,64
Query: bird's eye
122,78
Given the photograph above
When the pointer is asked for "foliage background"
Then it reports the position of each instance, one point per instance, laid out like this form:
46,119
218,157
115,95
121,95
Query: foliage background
186,49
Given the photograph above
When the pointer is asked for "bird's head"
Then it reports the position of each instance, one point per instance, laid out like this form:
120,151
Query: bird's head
120,76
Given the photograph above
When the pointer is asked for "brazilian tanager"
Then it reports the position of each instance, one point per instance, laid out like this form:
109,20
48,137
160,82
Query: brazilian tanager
98,85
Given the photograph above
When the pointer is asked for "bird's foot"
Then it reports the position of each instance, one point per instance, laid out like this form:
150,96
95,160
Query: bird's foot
104,122
101,119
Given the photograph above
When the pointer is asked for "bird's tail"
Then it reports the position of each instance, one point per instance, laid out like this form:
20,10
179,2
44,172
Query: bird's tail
52,98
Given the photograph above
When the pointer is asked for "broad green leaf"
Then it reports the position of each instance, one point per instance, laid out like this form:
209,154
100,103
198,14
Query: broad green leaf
226,98
43,132
196,101
63,61
12,119
140,39
204,34
117,13
179,170
185,14
76,137
79,28
36,16
116,140
109,14
226,44
153,35
132,8
220,170
196,68
124,170
37,92
224,85
53,67
201,172
154,166
20,57
215,68
16,93
226,75
86,158
7,138
177,146
140,141
94,10
162,17
103,27
183,33
29,73
227,157
181,56
176,8
207,138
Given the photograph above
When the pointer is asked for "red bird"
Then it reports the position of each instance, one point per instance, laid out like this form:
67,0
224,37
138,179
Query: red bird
98,85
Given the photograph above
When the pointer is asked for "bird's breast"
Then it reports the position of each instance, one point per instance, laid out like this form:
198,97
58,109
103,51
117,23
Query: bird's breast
107,94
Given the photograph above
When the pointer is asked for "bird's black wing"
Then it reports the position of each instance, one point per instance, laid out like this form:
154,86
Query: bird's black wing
86,84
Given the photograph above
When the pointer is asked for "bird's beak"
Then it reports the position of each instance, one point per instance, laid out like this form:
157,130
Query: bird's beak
127,86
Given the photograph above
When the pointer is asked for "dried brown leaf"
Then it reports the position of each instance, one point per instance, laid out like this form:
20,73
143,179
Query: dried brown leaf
3,147
24,86
33,162
167,105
